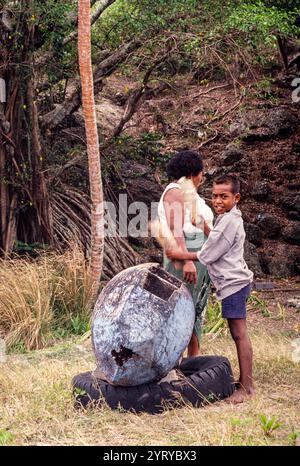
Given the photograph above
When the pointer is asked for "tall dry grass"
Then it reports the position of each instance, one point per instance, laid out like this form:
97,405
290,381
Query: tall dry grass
38,296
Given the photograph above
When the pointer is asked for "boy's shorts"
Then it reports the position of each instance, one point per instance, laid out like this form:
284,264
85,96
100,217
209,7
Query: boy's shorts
234,306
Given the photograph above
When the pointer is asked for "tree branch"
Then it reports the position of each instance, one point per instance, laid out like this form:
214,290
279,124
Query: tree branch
134,100
105,68
41,61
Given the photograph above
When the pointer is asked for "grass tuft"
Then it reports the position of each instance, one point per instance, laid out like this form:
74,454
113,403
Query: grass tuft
43,299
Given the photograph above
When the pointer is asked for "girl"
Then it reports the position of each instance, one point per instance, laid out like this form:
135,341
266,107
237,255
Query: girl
176,215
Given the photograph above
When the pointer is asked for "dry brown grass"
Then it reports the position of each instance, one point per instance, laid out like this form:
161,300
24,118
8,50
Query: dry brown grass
36,406
36,295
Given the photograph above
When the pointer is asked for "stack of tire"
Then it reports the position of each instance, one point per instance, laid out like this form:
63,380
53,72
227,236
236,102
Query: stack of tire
201,380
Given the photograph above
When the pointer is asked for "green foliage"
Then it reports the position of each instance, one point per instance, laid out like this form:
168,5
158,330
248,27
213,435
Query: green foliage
80,325
269,424
292,437
31,249
79,392
201,33
126,19
147,146
214,322
18,348
262,22
259,305
263,90
52,21
6,437
140,17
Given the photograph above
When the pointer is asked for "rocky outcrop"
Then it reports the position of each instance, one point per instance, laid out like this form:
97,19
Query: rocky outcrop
291,205
261,191
253,234
281,261
264,124
252,259
291,234
269,225
232,155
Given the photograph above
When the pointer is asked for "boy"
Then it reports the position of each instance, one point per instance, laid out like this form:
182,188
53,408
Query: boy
223,254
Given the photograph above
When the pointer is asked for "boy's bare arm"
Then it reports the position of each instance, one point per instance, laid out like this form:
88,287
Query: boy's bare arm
179,254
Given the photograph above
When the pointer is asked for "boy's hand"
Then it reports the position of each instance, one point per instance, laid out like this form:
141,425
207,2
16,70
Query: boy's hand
190,272
175,254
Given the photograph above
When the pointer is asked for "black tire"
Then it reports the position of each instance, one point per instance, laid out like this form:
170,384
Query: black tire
203,379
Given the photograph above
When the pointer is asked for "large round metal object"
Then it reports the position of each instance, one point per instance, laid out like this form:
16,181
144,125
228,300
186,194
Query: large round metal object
142,322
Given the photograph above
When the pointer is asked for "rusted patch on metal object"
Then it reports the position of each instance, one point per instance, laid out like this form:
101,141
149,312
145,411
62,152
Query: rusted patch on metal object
142,322
122,356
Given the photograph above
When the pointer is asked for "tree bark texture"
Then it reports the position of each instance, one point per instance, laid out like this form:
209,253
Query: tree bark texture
88,104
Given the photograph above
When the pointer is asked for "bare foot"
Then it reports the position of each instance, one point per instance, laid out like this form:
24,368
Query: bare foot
240,395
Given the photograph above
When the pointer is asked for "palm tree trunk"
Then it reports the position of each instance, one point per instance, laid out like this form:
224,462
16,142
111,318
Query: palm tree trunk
88,103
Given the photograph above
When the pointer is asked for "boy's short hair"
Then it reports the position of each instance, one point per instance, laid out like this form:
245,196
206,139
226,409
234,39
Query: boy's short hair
229,179
185,163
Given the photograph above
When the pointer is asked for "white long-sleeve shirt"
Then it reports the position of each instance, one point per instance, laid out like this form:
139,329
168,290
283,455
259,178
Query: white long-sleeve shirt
223,254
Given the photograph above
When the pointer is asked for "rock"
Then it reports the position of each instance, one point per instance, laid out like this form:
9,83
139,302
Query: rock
252,259
120,98
291,204
237,128
294,302
264,124
132,168
281,267
253,234
244,185
285,82
206,193
171,377
241,168
269,225
280,261
291,234
281,122
261,191
108,114
140,182
212,173
232,155
142,322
